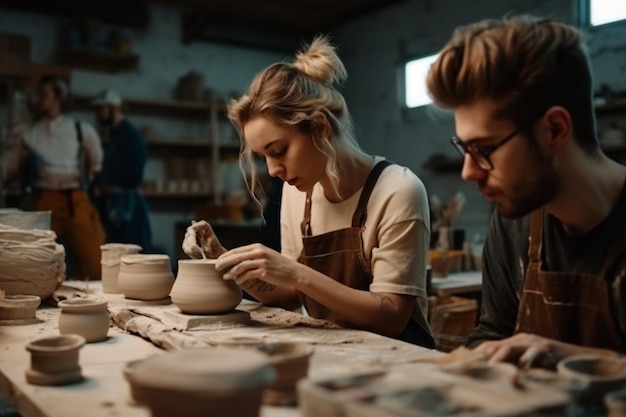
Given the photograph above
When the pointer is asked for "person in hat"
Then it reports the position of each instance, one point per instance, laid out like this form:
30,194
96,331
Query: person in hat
123,210
58,156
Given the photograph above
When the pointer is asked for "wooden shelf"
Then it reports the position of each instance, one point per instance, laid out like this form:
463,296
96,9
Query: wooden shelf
175,194
96,60
83,99
190,144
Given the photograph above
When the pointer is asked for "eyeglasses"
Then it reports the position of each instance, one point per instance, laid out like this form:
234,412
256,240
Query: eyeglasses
479,152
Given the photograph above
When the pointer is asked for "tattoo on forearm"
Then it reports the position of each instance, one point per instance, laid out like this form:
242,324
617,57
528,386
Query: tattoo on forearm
262,286
383,301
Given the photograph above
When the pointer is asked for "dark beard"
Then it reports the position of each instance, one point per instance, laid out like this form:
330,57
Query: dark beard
534,190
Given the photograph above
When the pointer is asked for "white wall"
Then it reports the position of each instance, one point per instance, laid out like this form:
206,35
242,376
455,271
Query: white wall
373,49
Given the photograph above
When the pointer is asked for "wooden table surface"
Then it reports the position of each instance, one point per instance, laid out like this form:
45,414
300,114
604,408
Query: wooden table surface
105,393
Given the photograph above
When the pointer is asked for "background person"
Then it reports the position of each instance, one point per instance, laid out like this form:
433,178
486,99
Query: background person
61,156
123,210
554,262
354,228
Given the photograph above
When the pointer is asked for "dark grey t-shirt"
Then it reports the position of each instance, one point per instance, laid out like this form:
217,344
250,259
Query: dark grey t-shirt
505,260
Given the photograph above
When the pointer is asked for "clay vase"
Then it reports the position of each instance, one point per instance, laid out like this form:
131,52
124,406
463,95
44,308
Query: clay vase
19,307
196,382
200,289
291,363
54,360
145,276
84,316
110,254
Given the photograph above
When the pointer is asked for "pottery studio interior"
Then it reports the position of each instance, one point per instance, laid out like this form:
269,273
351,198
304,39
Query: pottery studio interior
312,208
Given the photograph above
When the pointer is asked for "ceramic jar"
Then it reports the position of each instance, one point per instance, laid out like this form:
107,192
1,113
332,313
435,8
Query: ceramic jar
110,255
84,316
145,276
196,382
200,289
54,360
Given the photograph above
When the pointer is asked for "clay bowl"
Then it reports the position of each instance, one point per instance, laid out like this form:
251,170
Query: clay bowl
54,360
596,375
19,307
291,362
195,382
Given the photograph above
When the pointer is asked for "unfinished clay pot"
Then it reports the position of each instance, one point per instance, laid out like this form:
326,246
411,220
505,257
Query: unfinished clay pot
19,307
291,362
200,289
197,382
84,316
110,255
145,276
597,375
54,360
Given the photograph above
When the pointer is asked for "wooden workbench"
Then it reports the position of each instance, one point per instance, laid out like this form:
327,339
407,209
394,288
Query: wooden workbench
105,393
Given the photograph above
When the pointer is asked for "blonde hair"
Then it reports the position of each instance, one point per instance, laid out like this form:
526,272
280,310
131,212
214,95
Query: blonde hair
525,64
300,93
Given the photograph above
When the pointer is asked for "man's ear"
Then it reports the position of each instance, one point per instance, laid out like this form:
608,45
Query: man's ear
558,124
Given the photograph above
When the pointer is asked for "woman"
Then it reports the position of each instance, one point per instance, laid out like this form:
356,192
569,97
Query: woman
354,228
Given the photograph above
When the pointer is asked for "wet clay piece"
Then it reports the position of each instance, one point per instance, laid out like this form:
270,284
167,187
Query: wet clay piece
200,289
54,360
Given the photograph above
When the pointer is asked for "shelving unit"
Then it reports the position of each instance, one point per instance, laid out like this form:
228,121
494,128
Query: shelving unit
212,147
98,60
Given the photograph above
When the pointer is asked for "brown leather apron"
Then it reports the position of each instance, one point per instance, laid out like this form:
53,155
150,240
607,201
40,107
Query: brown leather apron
339,255
570,307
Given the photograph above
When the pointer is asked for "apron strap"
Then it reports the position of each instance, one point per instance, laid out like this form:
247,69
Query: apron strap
360,214
305,226
536,231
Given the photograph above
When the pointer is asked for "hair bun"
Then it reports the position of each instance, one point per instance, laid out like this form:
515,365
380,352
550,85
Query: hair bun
320,62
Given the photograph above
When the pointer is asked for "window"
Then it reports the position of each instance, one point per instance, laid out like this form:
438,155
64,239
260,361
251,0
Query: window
415,72
601,12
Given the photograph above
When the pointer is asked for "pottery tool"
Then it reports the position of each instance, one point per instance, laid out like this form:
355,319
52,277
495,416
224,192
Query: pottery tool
202,252
527,360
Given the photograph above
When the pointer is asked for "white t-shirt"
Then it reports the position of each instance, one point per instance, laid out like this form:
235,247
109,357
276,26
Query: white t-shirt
396,234
56,143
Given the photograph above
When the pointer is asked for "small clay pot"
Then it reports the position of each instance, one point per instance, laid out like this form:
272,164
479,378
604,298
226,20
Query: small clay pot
84,316
110,255
291,362
54,360
145,276
195,382
596,375
129,374
200,289
19,307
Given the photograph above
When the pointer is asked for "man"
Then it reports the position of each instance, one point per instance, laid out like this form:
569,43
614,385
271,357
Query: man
123,210
554,262
61,155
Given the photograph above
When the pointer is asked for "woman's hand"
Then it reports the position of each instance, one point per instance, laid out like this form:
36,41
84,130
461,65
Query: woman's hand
248,263
199,238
